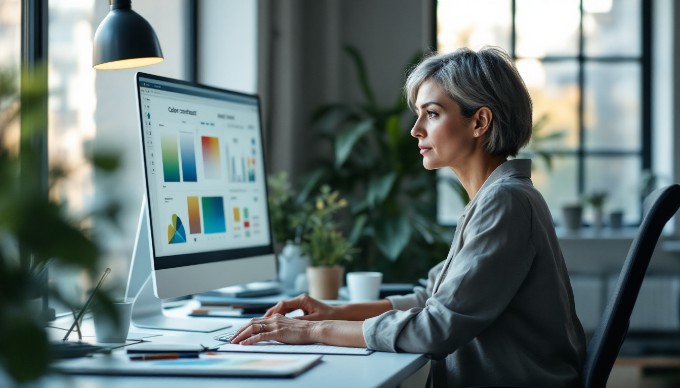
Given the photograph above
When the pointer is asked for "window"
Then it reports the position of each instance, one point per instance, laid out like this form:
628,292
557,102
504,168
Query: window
587,66
10,47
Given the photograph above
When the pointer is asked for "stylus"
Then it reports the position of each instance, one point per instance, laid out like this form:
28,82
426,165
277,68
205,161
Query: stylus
87,304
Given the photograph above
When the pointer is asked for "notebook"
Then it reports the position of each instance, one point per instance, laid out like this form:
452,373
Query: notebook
208,364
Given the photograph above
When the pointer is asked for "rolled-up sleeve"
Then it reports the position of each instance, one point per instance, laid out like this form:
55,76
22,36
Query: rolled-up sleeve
419,295
481,280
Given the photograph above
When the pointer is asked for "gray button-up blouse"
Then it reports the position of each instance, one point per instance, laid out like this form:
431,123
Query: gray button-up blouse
499,310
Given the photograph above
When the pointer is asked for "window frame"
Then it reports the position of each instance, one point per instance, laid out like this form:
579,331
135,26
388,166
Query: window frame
644,60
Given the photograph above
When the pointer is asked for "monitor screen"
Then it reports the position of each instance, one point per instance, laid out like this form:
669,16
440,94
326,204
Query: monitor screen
205,185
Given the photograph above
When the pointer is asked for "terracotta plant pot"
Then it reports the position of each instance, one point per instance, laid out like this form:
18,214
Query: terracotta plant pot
325,282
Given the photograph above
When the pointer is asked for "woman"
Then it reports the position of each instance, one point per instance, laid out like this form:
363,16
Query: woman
499,309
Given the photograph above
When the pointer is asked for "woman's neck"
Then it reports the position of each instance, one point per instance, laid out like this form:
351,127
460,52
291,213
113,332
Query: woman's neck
473,174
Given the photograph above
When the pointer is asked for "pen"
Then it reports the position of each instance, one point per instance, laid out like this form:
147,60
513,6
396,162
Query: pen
76,321
163,356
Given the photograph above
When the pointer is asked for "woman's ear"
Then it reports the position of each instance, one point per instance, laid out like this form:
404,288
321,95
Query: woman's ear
482,119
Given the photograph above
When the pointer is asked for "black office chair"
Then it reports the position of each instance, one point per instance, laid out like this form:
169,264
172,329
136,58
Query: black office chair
606,342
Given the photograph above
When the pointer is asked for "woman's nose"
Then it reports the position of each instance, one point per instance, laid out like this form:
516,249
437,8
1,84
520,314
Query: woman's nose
416,131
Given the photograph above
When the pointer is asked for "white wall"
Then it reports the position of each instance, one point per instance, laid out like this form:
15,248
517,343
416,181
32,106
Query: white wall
227,47
117,127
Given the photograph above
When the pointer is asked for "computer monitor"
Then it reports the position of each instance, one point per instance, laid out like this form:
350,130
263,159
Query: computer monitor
205,213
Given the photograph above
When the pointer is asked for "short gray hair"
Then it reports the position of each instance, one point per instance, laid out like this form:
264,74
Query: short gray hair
488,78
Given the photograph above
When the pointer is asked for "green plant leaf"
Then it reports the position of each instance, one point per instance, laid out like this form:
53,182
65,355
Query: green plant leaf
379,188
329,117
394,131
311,182
20,333
357,228
392,234
347,138
360,67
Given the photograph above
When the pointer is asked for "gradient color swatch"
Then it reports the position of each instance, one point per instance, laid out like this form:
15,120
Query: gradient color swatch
213,215
194,215
170,158
176,233
211,157
188,153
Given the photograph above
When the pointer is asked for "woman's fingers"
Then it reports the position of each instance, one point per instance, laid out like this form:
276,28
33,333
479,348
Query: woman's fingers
254,327
283,307
277,327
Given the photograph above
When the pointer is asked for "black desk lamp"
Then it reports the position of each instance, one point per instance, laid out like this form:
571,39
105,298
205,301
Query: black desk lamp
124,39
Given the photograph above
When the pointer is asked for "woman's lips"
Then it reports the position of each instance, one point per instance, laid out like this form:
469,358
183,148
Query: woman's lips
424,150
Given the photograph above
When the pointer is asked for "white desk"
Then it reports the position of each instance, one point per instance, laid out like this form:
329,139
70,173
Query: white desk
376,370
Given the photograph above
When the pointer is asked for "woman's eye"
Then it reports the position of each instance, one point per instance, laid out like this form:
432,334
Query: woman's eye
431,114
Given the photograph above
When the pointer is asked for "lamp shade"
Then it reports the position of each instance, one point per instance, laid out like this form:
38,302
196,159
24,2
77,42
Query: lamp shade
124,39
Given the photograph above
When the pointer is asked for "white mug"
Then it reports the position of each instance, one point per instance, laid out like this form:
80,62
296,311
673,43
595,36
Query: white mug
363,286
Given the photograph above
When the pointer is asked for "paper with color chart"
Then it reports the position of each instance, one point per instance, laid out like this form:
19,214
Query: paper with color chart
209,364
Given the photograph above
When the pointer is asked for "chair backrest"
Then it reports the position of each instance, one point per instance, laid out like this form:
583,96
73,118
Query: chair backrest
606,341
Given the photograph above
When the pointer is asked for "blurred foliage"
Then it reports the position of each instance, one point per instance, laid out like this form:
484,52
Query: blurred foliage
322,240
287,209
376,165
35,231
311,222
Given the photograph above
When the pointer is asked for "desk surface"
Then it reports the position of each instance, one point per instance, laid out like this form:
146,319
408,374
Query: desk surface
376,370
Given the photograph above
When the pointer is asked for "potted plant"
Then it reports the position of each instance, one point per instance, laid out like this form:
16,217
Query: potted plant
288,211
325,245
374,163
34,231
596,199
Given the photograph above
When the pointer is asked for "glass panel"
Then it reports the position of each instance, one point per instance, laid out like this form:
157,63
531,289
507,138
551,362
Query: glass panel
464,23
620,178
547,27
558,185
71,103
10,34
612,27
10,62
555,95
612,106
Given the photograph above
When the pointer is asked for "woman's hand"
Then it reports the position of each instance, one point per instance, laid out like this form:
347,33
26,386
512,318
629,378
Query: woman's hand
280,328
312,308
277,327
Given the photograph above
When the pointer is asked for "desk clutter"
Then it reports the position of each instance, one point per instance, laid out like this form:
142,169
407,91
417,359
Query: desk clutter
168,353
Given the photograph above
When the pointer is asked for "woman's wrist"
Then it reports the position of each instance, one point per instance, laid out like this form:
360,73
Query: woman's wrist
320,330
338,333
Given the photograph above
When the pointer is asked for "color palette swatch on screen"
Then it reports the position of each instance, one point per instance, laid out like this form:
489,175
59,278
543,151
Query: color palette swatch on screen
213,215
188,153
176,233
170,158
242,220
211,157
194,215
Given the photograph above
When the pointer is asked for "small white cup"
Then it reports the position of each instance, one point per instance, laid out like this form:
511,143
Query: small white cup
106,330
363,286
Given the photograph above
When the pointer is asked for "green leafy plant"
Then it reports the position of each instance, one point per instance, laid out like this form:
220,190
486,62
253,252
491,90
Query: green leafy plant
34,231
322,241
287,209
377,167
596,199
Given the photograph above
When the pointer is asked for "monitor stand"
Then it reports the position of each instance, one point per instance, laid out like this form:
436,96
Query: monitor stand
147,309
